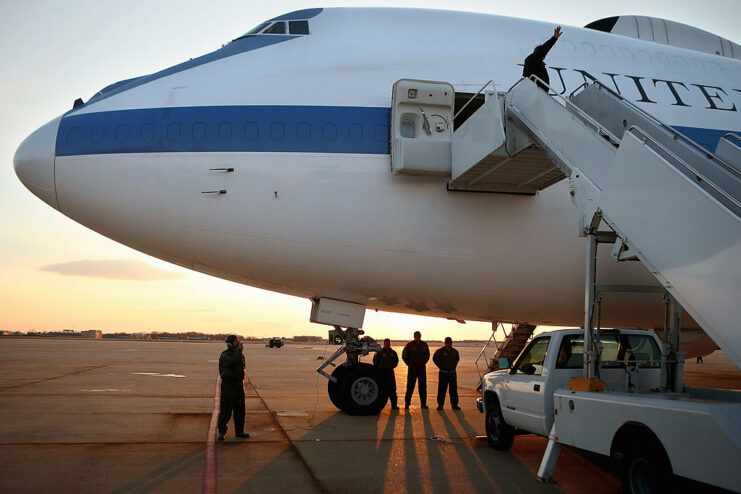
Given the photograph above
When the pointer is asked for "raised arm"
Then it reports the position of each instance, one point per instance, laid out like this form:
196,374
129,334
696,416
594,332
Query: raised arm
542,50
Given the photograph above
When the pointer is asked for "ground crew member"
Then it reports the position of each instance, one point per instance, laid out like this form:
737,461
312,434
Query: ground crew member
231,370
534,63
416,354
386,361
446,359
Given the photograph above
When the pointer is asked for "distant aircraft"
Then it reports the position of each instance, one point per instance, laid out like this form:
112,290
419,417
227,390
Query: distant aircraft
268,162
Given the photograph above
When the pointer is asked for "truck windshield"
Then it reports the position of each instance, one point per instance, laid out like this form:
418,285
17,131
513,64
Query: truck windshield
531,360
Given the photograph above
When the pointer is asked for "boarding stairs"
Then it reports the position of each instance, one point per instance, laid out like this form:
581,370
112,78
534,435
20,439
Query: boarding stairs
672,204
509,346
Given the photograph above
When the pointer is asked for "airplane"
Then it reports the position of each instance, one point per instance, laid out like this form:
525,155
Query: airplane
268,162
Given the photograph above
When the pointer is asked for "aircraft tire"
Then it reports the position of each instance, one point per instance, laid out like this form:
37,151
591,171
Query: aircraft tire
333,389
363,390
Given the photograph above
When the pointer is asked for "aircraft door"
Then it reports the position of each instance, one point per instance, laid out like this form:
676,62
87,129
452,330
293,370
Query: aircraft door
421,127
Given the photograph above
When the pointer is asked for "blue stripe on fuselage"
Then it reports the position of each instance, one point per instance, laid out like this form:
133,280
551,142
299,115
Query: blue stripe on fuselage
320,129
317,129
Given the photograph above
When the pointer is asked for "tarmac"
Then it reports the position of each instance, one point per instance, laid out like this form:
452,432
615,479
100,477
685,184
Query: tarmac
133,416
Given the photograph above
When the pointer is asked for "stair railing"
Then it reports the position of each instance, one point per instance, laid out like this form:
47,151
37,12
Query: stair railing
491,81
675,133
497,344
568,103
730,136
699,177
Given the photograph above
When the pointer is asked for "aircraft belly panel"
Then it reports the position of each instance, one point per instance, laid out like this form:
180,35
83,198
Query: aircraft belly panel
307,224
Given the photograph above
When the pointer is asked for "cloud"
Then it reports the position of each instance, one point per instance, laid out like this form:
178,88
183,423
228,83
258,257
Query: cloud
114,269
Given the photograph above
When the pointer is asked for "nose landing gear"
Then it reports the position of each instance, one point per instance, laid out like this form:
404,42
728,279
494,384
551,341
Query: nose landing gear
354,387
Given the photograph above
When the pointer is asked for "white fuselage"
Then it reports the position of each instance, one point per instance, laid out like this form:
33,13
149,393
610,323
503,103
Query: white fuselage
312,208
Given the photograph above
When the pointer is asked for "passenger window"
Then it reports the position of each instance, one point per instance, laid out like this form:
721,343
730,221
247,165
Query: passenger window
531,360
147,131
96,135
298,27
277,131
329,132
277,28
199,130
251,131
122,132
303,131
571,353
225,130
173,131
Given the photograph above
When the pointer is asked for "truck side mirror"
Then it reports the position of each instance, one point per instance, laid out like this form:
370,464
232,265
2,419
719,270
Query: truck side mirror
503,363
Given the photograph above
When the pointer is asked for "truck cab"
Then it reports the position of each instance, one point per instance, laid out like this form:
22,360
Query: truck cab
522,393
626,413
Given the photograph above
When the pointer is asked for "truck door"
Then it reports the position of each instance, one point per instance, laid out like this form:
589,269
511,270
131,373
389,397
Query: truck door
524,398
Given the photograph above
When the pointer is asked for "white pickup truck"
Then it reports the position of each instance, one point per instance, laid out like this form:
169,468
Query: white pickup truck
653,433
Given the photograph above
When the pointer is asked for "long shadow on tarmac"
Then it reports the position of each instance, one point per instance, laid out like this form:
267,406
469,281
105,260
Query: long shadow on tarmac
383,453
163,474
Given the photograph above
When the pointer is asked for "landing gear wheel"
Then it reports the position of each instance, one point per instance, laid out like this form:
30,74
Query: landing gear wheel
645,470
499,435
363,390
333,389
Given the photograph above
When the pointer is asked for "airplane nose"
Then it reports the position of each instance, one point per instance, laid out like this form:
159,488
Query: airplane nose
34,162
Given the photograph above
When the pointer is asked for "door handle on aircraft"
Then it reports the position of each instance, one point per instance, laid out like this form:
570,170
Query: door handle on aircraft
230,169
222,191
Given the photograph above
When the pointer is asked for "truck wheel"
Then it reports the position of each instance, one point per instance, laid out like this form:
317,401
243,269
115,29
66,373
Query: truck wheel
363,390
499,435
333,389
645,470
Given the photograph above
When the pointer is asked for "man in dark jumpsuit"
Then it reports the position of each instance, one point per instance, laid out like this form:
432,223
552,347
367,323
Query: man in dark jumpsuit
416,354
446,359
534,63
231,370
386,361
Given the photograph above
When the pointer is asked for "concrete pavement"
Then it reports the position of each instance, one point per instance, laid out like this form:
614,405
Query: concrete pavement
133,416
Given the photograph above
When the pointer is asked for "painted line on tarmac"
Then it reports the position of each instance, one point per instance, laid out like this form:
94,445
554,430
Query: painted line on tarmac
209,470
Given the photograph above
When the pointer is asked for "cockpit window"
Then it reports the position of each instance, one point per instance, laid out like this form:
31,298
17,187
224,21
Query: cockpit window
279,27
298,27
276,28
257,29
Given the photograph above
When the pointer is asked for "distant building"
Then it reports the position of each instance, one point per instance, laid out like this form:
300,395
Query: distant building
93,334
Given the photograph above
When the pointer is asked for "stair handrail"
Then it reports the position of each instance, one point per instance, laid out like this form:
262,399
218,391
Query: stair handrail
731,134
653,140
666,126
698,175
496,346
570,104
491,81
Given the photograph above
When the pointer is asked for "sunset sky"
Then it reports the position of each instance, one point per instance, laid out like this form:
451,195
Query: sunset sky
55,273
